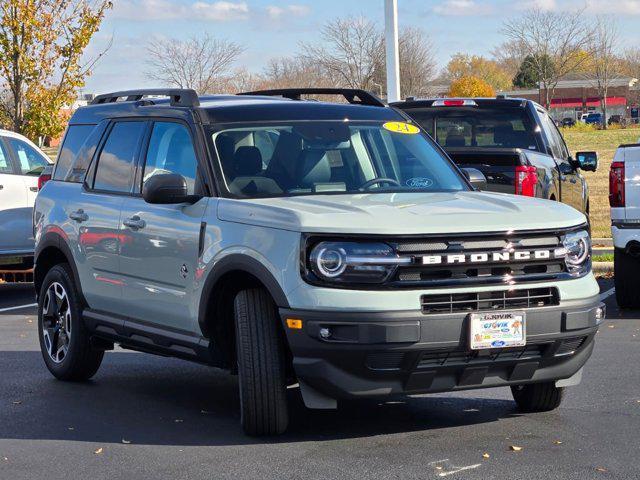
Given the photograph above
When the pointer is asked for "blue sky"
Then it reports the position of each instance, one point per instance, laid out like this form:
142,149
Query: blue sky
273,28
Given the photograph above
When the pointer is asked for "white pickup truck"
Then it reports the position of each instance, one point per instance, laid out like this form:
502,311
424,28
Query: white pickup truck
624,198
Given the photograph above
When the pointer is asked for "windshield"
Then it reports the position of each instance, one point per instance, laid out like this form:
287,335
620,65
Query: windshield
477,127
313,157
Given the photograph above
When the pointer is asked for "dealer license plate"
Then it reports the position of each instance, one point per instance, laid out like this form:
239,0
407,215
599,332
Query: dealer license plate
497,330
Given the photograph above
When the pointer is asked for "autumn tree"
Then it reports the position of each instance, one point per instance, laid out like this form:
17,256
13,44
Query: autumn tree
550,36
42,43
462,65
201,62
471,86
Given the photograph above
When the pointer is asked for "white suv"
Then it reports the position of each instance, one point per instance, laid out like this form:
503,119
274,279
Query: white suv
624,198
21,163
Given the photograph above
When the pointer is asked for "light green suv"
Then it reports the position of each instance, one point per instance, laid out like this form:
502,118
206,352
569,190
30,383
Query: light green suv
331,246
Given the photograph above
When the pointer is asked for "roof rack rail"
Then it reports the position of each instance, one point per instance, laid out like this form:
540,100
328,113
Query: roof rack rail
180,97
352,95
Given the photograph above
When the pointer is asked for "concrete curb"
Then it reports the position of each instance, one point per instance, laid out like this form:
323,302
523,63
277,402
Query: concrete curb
602,268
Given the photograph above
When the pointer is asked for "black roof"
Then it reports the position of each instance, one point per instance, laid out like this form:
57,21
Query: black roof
226,108
481,102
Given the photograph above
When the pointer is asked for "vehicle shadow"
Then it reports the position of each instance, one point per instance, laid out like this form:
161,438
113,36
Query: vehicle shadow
160,401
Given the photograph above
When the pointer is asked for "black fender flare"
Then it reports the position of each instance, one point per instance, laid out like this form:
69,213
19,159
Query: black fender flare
241,263
55,240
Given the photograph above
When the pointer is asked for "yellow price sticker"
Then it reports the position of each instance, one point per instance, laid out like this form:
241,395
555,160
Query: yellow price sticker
401,127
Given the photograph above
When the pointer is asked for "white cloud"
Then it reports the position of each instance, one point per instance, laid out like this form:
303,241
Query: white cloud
620,7
462,8
216,11
276,12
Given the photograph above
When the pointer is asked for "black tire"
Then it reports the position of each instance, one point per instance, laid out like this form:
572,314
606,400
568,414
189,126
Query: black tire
537,397
261,364
627,281
81,361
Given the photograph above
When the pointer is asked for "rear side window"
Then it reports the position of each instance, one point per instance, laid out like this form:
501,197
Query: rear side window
31,161
73,141
114,171
5,161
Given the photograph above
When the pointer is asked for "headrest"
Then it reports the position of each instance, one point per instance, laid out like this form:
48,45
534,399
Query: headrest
454,140
247,161
315,168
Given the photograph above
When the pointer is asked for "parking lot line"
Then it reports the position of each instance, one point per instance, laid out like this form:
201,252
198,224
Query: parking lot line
19,307
607,294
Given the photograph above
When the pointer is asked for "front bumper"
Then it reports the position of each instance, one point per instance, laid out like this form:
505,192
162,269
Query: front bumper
389,353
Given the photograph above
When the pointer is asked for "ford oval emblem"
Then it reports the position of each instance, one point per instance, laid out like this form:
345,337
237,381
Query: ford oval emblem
419,182
497,343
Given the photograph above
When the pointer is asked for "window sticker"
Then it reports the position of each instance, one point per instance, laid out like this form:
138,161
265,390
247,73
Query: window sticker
419,182
401,127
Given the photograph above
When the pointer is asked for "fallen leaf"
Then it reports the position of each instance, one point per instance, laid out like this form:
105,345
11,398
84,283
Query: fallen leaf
5,459
17,402
558,442
471,410
126,442
98,451
486,455
611,326
438,467
204,412
70,428
515,448
178,420
601,469
29,321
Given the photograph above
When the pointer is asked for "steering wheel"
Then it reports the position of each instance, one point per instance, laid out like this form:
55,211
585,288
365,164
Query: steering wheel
379,180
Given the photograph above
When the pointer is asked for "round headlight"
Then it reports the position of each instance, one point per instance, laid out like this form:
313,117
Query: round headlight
330,262
578,246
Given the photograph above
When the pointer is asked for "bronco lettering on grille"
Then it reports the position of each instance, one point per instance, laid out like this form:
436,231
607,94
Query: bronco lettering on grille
494,257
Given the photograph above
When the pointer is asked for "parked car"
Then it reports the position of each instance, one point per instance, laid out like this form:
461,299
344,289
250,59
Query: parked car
513,142
21,163
616,120
332,246
568,122
594,119
624,199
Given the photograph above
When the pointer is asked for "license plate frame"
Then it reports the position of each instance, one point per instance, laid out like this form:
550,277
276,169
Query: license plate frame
489,330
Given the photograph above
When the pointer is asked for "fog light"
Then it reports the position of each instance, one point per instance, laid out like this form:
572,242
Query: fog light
325,333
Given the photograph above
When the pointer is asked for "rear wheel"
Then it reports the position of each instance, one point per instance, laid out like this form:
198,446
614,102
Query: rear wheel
537,397
627,280
64,341
261,364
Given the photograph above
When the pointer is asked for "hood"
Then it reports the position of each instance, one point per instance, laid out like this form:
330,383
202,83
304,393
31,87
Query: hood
402,213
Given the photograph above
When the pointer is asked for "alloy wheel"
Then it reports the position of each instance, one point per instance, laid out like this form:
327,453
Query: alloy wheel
56,322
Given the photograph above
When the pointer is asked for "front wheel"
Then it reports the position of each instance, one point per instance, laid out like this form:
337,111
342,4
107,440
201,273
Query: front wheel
64,341
261,364
537,397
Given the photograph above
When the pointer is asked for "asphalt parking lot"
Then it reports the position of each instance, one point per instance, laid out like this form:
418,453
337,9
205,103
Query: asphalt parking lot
147,417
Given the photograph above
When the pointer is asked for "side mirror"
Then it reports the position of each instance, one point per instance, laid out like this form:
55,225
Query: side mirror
587,161
476,178
165,188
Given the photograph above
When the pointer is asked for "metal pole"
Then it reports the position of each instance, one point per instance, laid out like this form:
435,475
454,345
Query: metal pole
391,38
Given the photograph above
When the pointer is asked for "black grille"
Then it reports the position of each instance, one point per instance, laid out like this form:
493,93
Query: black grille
569,346
384,360
459,357
492,300
495,270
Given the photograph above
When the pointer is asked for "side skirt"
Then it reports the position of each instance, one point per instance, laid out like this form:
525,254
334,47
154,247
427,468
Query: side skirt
149,338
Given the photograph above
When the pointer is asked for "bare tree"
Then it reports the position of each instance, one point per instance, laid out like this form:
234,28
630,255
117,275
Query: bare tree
202,63
558,37
631,62
417,62
351,54
292,72
606,64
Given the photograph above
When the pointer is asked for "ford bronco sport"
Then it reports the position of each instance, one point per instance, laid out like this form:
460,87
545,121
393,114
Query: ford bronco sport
330,245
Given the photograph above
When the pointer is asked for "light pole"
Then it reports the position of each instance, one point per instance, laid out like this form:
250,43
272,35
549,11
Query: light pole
391,40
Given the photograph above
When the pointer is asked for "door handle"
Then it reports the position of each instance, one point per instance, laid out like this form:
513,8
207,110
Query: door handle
79,216
134,223
33,189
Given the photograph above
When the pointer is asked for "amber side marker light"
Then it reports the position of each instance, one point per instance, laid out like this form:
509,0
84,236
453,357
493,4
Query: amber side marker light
294,323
